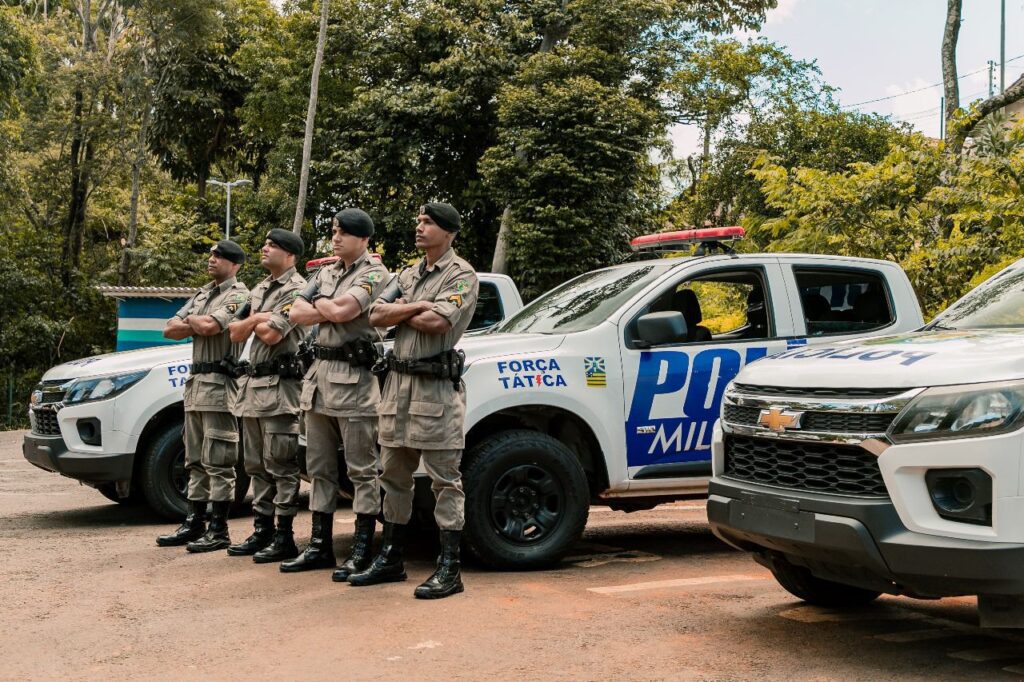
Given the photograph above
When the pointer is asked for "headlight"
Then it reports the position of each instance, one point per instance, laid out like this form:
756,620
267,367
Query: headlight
100,388
967,411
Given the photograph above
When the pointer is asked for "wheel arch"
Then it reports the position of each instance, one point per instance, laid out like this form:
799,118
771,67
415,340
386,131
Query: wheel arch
175,412
561,424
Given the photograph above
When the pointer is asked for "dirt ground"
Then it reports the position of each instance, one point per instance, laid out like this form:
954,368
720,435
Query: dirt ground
86,594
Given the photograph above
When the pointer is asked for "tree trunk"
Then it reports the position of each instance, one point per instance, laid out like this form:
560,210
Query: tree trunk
957,134
133,210
307,142
950,83
499,264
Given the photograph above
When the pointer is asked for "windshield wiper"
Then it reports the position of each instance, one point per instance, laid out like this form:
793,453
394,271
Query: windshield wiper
941,327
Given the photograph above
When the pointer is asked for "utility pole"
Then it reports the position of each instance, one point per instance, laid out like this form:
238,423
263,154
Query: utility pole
942,118
1002,46
991,77
228,186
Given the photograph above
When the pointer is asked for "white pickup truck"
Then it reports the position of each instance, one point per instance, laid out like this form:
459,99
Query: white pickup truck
891,465
114,421
606,389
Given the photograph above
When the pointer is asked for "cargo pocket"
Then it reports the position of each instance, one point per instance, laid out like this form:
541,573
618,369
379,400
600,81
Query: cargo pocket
264,392
308,391
210,390
425,421
341,388
281,441
220,448
386,413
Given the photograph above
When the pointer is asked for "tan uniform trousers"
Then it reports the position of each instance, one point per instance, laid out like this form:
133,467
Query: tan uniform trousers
359,436
446,482
271,446
211,453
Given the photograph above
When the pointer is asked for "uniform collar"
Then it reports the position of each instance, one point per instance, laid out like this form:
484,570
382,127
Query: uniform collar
285,276
340,264
226,284
442,262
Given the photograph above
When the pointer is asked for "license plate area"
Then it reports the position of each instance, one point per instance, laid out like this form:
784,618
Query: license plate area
773,516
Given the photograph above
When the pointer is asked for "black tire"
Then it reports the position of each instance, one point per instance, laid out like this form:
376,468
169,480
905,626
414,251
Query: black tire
801,583
163,478
527,500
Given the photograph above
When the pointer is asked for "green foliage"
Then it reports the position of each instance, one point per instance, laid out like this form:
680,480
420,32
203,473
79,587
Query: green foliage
950,223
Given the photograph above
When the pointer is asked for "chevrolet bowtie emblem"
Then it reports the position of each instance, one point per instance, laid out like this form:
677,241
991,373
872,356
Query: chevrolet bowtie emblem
779,419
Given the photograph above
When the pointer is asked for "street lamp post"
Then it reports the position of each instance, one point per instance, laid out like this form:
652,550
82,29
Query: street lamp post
228,186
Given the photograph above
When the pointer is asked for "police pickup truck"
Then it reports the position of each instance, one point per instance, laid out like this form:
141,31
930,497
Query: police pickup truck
114,421
890,465
606,389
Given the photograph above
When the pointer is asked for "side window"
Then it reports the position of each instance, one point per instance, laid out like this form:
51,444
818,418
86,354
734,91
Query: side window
488,307
837,301
724,305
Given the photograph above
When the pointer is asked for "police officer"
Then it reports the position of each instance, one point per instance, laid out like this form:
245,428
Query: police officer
268,399
423,405
211,432
340,393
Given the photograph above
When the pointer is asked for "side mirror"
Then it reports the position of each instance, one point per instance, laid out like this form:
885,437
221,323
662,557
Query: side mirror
654,329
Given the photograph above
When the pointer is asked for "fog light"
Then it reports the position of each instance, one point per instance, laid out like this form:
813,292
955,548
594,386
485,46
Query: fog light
90,432
963,495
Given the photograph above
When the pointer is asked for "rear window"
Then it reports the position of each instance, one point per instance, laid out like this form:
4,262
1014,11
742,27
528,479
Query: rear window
836,301
488,307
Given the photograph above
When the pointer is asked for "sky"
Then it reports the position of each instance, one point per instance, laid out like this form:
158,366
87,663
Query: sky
872,49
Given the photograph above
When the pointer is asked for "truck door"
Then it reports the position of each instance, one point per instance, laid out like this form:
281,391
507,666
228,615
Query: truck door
736,311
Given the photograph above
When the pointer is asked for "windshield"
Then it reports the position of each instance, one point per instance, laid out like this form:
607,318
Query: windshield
584,302
1000,303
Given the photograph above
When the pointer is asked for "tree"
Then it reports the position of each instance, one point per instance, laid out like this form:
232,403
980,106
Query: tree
578,122
960,123
826,139
723,83
307,140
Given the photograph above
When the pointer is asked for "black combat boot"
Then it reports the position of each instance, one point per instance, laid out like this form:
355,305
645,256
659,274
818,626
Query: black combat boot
283,547
447,579
362,547
387,567
262,536
217,534
191,529
319,552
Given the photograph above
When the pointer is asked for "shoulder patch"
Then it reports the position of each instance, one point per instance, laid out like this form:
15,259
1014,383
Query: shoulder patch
456,299
237,298
373,277
367,288
461,286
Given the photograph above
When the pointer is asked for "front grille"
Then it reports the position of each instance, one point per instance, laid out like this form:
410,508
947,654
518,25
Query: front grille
44,421
843,393
828,422
43,414
812,467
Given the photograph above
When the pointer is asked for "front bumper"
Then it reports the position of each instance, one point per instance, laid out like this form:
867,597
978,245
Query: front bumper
859,542
52,454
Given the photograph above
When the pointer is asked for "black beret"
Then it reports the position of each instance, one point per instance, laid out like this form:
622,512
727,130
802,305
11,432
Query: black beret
228,250
355,222
443,214
287,240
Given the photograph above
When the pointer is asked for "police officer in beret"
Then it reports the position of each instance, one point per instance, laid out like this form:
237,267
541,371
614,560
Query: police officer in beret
267,400
340,393
423,404
211,432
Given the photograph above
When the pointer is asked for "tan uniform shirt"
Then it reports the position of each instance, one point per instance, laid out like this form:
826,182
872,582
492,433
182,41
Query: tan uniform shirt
272,395
334,387
422,411
209,392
